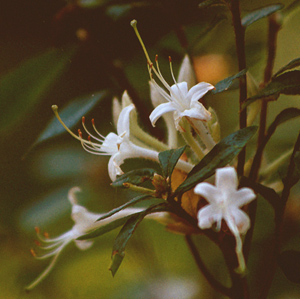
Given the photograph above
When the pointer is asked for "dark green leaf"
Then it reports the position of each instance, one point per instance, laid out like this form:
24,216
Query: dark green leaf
287,83
225,84
168,159
136,177
291,65
127,204
209,3
289,262
118,11
219,156
122,240
105,228
260,13
22,88
71,115
125,234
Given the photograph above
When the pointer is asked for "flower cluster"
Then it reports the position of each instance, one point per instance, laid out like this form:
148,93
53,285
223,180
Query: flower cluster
180,107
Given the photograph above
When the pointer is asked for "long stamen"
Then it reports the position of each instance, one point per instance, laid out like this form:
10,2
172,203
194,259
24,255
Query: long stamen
88,132
133,23
94,127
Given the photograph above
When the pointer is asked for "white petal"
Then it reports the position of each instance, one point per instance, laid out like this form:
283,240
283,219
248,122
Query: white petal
197,111
179,93
83,244
207,216
114,166
160,110
198,91
126,100
241,220
208,191
116,110
186,72
226,179
242,197
110,143
156,94
124,121
84,219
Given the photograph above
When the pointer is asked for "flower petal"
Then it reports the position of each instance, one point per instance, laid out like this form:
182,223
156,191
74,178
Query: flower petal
197,111
198,91
83,244
114,166
124,120
208,191
179,93
242,197
207,216
156,94
186,72
240,218
160,110
226,179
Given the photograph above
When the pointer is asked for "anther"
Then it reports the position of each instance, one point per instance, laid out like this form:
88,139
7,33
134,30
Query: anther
46,235
156,57
93,122
79,133
83,119
89,138
32,252
37,230
170,59
37,243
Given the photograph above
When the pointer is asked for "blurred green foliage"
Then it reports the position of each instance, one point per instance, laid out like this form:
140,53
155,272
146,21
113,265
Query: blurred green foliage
34,189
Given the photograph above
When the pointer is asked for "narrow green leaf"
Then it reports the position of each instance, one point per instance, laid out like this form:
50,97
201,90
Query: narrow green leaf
219,156
289,262
22,88
118,251
127,204
122,239
287,83
168,159
209,3
71,115
291,65
260,13
225,84
136,177
105,228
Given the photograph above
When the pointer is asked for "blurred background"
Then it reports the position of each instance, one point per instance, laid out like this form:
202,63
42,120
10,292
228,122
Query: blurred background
52,52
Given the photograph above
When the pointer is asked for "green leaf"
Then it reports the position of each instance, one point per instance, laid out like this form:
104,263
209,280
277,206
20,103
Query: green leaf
105,228
22,88
288,83
136,177
168,159
260,13
127,204
225,84
118,251
118,11
71,115
291,65
219,156
209,3
289,262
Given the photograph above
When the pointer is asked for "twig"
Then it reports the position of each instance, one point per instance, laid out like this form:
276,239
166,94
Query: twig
239,31
202,267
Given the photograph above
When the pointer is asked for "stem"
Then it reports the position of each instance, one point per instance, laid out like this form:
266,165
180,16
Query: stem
272,256
274,28
202,267
239,31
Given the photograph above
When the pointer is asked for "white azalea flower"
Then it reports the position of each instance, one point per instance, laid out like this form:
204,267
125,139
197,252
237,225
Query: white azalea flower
119,146
225,202
181,101
84,222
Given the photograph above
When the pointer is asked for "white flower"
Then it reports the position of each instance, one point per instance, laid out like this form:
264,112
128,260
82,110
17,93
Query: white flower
119,146
225,202
85,222
182,102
